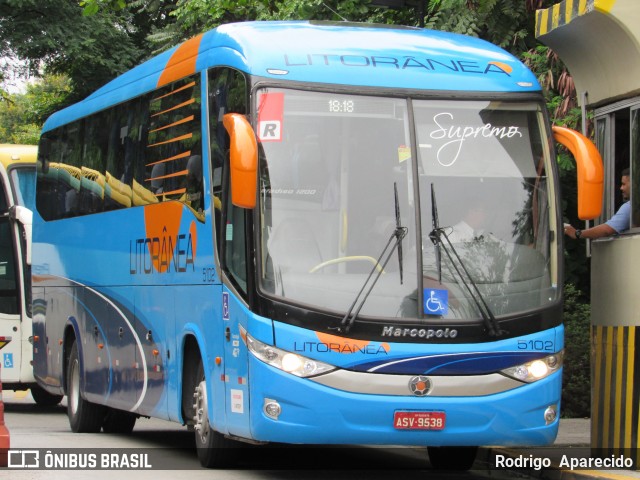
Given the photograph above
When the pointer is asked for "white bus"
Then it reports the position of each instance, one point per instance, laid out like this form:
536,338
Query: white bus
17,198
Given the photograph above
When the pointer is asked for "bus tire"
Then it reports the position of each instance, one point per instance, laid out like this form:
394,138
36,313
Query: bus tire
44,398
118,421
452,458
214,450
84,416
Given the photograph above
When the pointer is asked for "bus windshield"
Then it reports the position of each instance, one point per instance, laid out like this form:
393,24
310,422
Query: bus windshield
23,182
330,167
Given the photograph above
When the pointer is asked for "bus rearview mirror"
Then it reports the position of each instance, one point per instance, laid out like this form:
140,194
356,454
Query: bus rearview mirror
243,159
590,171
25,217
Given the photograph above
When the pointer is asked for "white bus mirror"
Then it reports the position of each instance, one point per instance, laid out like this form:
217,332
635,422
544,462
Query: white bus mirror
25,217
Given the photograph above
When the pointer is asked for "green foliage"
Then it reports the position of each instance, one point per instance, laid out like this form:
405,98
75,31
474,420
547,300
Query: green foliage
576,390
56,36
22,115
506,23
91,7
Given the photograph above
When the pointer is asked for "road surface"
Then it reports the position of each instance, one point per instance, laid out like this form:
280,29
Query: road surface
168,448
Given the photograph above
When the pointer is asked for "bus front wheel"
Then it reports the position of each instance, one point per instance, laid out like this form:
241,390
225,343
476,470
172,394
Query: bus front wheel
84,416
214,450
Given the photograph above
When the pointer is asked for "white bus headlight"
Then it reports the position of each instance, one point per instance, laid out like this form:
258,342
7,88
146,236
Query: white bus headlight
286,361
536,369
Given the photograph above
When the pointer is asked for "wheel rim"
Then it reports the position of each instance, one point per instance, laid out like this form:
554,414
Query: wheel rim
201,417
74,387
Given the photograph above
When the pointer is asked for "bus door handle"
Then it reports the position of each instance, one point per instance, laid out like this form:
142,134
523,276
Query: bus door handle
120,332
95,330
227,333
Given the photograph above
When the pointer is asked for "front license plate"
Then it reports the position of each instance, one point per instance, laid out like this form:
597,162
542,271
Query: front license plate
419,420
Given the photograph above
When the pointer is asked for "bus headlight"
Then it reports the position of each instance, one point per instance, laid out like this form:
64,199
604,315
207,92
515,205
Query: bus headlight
286,361
536,369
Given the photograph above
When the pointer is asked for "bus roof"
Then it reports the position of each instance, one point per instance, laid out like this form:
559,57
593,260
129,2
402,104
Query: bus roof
12,154
325,52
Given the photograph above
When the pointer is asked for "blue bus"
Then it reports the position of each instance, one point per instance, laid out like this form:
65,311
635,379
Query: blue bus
308,233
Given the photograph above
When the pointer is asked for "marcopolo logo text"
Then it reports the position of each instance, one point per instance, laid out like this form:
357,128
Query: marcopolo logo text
426,333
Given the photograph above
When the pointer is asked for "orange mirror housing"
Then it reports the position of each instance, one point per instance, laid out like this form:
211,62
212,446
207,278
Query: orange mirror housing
243,159
590,171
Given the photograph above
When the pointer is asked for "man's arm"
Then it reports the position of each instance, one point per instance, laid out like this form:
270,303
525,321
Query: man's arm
599,231
616,224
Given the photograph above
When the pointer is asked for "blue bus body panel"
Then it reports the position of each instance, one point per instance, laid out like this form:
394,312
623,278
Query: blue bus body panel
349,54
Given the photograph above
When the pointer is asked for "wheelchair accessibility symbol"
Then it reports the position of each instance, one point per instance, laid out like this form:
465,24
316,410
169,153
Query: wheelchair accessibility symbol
436,302
225,306
7,361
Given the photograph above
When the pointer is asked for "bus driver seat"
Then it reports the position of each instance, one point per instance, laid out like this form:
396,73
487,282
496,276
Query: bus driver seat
293,246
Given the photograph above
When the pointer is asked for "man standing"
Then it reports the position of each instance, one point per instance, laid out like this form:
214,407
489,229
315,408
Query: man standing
616,224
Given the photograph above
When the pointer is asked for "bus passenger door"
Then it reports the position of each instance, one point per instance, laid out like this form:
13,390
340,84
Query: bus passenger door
235,366
234,314
9,304
10,294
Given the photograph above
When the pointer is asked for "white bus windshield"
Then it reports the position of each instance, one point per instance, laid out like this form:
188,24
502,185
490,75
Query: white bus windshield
330,165
23,182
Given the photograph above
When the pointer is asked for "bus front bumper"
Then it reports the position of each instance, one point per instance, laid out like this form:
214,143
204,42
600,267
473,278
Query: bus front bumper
312,413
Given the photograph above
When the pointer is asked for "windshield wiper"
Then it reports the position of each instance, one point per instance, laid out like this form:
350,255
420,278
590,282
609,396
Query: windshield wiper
493,328
398,234
398,229
434,235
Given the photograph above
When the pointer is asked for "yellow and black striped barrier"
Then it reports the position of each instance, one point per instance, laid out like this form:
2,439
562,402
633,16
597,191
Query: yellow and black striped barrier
615,402
566,11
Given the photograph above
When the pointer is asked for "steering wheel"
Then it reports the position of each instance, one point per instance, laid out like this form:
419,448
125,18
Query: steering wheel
353,258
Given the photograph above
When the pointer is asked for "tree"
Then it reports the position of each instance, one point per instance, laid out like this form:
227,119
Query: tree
22,115
55,36
507,23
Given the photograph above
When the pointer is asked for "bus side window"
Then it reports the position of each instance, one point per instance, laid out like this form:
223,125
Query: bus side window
118,174
635,168
3,200
69,168
58,174
227,94
46,193
92,182
235,247
174,144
